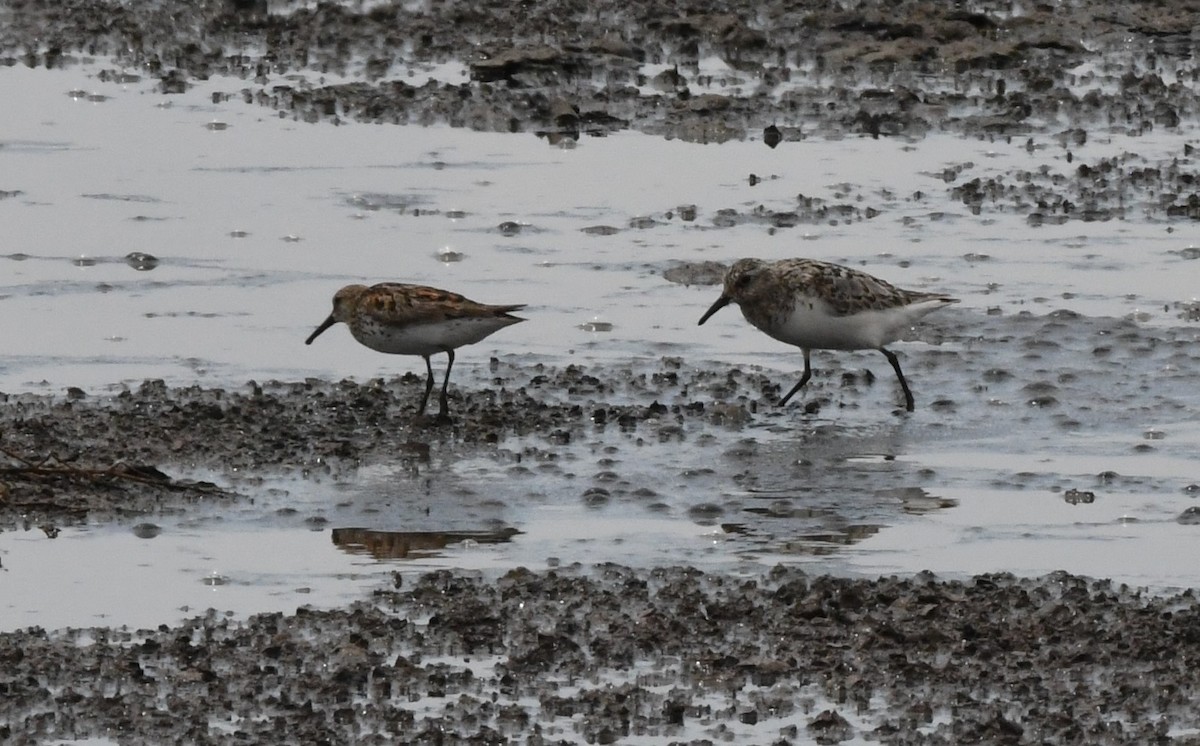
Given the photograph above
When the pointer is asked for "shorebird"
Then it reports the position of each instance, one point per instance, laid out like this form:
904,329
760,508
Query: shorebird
821,306
404,319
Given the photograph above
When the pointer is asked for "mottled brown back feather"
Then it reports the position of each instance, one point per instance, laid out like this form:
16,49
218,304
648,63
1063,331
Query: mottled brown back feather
398,304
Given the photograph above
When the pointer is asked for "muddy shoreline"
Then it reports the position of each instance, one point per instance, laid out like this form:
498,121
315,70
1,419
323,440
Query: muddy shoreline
610,653
79,456
594,654
895,69
1053,77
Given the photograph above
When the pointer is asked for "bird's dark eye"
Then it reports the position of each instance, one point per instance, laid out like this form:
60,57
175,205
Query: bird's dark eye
741,281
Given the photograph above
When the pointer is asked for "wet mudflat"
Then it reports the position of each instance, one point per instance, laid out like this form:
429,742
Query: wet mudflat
667,655
703,565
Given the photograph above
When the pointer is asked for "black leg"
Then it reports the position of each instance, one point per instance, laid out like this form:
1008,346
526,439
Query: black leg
803,380
443,408
428,385
891,356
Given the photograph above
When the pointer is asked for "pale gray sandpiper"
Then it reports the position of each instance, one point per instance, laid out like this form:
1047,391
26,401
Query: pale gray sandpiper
821,306
416,320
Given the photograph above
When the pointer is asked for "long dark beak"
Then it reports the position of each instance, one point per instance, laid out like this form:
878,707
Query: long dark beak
721,303
324,325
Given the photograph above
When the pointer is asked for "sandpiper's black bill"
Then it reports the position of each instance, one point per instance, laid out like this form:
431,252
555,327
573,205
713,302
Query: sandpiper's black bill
721,303
324,325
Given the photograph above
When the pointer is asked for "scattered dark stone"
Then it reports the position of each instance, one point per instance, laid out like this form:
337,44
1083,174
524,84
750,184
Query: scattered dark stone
1076,497
147,530
1190,516
141,261
772,136
696,273
830,727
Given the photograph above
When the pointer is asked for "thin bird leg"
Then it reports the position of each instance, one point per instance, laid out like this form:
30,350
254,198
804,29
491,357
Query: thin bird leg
443,409
428,385
803,380
891,356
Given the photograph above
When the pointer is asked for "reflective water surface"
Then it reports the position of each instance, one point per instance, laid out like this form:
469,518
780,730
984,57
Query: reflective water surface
200,242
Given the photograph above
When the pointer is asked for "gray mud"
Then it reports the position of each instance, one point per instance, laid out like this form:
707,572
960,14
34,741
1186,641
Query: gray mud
617,654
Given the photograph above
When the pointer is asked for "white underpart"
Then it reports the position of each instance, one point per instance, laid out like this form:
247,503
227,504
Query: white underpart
814,326
429,339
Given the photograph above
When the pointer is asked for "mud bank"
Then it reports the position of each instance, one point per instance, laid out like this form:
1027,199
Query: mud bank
1054,76
609,654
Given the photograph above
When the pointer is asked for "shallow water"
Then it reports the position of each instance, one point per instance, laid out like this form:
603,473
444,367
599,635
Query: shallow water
1065,366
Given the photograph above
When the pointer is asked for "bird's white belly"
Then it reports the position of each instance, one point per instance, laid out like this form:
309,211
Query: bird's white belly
813,328
427,339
